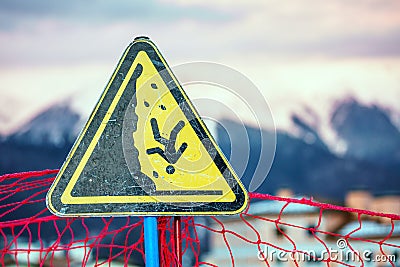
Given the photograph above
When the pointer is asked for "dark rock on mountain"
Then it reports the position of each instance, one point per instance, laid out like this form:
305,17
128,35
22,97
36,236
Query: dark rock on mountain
368,132
307,132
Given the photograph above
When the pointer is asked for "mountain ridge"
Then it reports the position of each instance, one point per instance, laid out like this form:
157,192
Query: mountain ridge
302,161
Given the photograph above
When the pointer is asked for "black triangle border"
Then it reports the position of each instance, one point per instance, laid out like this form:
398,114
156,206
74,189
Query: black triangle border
107,209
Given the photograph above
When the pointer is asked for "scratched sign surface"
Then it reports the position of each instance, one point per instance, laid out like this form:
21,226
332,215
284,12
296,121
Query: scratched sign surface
145,150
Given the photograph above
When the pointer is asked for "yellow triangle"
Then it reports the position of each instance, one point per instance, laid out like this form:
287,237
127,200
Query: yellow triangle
145,150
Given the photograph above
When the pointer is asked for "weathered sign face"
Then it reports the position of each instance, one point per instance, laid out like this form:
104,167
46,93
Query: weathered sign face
145,150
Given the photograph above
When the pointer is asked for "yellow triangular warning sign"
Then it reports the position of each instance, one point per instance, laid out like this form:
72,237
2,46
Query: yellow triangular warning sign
145,150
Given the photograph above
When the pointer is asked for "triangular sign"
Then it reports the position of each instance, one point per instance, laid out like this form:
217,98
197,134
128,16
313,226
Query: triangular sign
145,150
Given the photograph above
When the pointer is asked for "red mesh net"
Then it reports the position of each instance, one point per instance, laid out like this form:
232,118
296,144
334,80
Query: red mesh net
272,231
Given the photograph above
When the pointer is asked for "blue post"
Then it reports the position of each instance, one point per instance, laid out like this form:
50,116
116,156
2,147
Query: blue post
151,242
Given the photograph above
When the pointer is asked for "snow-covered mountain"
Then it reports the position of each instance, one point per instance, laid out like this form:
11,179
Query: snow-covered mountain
56,126
303,158
352,129
41,143
303,161
309,169
368,132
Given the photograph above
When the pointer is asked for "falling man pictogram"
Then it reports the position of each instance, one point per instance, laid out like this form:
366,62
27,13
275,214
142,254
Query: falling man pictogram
171,155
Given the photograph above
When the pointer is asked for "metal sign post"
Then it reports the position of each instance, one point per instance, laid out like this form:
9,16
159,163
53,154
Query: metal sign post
151,242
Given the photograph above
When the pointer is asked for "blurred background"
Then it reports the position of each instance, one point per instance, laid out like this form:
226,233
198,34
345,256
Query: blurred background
330,71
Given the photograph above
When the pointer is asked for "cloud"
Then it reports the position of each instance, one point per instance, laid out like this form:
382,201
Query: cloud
15,13
272,41
72,32
337,28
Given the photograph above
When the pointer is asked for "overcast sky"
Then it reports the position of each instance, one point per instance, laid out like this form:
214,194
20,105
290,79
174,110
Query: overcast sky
298,53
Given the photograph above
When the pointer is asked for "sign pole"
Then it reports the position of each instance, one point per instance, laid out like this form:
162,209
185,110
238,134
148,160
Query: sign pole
178,239
151,242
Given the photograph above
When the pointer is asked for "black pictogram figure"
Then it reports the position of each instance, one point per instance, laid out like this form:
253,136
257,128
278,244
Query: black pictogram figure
171,155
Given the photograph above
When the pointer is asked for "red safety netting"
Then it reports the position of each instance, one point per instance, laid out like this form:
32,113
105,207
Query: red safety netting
272,231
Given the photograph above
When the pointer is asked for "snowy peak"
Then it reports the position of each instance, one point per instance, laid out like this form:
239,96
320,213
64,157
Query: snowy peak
353,130
57,126
371,120
367,131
